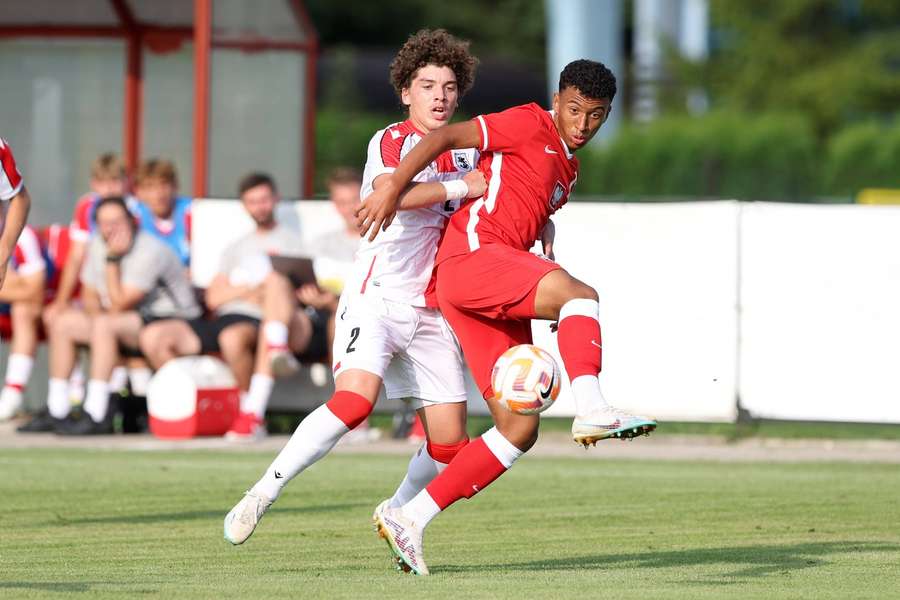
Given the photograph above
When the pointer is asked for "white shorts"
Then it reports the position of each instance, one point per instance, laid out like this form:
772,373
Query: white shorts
411,348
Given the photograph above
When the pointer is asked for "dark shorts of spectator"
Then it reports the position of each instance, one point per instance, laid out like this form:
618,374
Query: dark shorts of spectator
208,330
317,350
126,351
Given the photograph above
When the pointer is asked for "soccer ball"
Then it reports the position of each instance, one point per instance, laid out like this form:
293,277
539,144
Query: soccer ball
525,379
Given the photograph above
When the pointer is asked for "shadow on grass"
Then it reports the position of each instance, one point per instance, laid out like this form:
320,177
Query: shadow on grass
194,515
749,561
70,587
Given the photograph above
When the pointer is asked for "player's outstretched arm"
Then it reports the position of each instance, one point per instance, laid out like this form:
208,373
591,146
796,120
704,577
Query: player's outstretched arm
377,210
16,215
419,195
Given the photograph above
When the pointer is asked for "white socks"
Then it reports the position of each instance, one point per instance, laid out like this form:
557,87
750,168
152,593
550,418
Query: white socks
97,401
276,334
257,397
501,447
421,509
58,404
140,381
314,437
422,469
118,379
587,394
18,369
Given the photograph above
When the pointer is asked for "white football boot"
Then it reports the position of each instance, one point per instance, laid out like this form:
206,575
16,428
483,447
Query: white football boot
404,539
609,423
245,516
10,403
378,510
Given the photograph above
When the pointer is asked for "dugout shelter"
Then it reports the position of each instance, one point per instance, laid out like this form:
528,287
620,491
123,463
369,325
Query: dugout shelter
218,86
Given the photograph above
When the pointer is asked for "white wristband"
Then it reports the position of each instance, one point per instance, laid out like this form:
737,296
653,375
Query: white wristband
456,189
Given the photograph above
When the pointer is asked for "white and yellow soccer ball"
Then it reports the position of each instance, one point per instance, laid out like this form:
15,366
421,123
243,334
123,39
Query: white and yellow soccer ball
526,379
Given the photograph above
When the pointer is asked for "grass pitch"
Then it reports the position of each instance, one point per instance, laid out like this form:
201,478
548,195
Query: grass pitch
131,524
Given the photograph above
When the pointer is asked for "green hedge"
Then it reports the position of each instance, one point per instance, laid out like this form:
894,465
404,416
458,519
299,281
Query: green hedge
720,155
342,138
861,156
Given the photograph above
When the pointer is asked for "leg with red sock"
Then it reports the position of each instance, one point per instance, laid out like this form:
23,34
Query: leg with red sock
473,468
426,464
580,348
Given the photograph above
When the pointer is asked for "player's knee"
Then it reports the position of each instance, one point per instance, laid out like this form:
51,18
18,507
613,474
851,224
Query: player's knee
582,291
444,453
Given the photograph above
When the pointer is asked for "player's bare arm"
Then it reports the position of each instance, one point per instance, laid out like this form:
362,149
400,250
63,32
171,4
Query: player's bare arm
121,297
16,216
68,280
548,236
419,195
221,291
90,300
377,211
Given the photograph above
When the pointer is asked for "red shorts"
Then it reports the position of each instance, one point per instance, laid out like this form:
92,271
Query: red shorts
487,296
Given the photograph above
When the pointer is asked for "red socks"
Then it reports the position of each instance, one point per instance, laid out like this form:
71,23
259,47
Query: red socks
349,407
473,469
579,337
444,453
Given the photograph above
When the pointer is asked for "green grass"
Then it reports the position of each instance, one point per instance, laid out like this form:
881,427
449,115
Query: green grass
286,423
131,524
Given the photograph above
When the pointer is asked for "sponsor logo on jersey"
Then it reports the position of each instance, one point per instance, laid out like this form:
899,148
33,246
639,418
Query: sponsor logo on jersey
559,191
461,160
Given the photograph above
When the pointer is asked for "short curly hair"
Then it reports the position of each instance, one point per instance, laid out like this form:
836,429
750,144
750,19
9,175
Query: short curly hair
433,47
589,77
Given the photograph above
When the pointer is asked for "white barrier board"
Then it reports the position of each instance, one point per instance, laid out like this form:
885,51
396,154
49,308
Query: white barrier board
666,277
821,312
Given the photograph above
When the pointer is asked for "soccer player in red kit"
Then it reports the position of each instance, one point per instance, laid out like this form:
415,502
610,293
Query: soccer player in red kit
489,286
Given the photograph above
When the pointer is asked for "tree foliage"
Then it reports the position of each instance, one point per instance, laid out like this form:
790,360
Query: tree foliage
837,61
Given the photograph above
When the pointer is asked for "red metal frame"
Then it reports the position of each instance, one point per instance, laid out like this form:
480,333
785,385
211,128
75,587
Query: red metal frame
309,150
136,37
202,40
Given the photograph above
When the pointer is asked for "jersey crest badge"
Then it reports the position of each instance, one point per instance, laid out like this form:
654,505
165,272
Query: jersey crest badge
461,161
559,191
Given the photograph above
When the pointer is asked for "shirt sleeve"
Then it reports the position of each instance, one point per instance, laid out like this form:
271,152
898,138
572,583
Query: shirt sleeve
382,157
144,266
80,227
505,130
29,258
10,179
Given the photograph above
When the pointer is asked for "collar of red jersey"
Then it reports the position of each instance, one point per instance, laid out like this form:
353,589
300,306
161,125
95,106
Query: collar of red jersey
562,143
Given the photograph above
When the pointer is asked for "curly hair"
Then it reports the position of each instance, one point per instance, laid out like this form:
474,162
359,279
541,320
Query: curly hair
433,47
589,77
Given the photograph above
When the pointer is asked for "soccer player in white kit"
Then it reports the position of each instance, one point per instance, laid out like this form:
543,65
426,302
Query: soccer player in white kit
388,329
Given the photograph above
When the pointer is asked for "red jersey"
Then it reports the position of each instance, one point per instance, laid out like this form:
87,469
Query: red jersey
530,173
10,178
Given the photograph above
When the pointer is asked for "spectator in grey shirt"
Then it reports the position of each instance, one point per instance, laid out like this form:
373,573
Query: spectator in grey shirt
129,279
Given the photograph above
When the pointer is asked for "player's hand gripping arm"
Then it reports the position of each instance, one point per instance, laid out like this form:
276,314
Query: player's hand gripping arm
378,209
419,195
16,215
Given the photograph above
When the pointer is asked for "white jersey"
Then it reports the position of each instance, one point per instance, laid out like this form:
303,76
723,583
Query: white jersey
397,266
